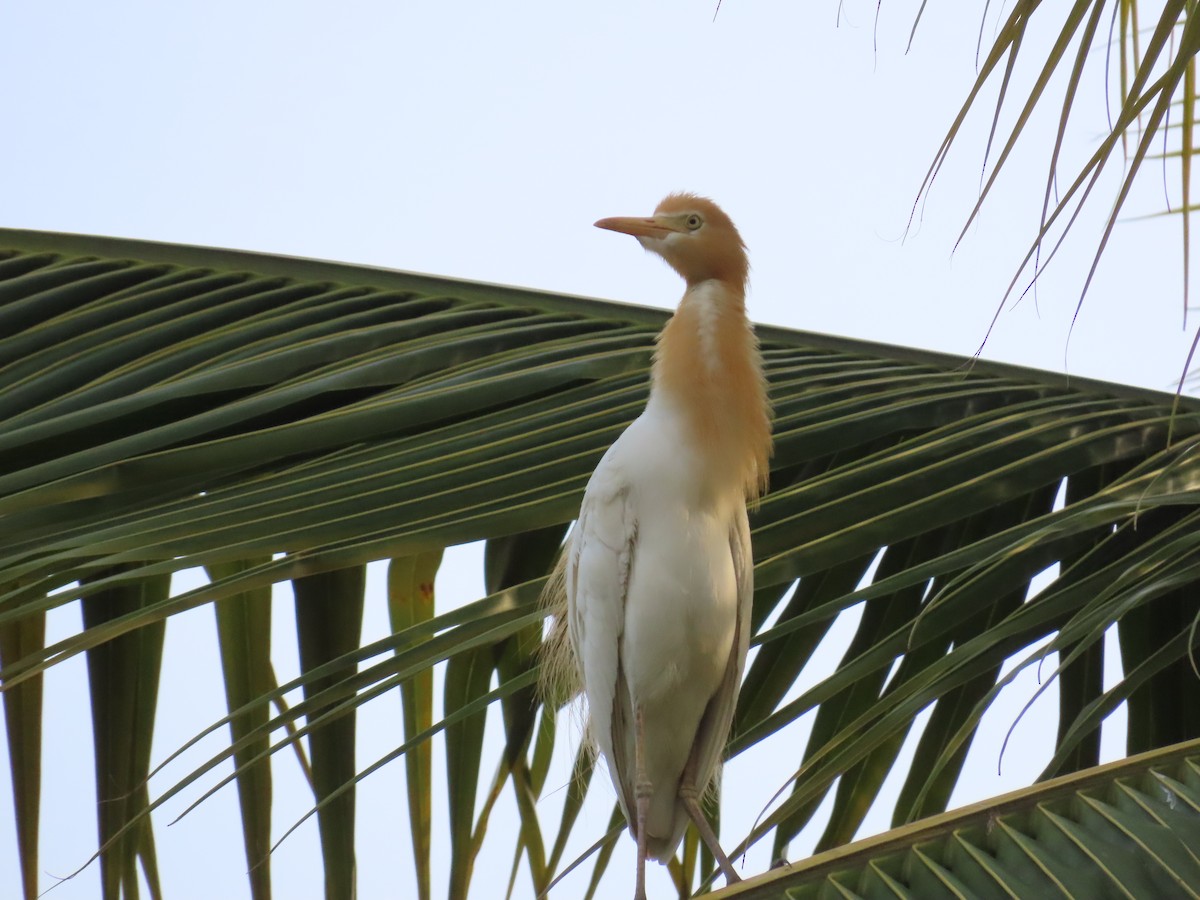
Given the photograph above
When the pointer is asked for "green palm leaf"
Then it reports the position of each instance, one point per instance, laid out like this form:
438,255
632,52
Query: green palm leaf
1155,74
276,419
1127,829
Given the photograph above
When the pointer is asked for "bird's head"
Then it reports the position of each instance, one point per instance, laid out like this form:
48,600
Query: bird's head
694,236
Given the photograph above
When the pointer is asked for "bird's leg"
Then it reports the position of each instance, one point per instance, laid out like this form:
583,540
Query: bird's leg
687,793
706,834
641,792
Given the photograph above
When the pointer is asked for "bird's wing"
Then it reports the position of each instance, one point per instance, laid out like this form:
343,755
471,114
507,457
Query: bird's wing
601,555
713,732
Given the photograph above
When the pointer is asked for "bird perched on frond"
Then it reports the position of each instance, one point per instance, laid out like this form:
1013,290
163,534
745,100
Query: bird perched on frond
656,579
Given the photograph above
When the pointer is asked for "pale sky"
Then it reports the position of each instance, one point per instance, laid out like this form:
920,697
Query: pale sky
480,141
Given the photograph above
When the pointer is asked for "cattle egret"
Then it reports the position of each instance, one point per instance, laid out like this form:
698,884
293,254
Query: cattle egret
657,573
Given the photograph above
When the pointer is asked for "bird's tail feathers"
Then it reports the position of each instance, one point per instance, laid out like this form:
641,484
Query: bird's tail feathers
558,681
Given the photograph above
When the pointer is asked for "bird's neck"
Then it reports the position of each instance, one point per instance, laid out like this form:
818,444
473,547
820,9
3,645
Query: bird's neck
708,366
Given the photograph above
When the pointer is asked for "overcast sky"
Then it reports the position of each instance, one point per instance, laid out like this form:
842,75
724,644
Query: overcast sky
481,140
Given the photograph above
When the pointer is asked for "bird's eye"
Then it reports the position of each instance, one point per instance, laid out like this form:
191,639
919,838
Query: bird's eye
694,222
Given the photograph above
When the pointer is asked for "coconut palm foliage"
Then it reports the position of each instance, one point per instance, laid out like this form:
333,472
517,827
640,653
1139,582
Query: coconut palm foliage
1127,829
275,419
1149,66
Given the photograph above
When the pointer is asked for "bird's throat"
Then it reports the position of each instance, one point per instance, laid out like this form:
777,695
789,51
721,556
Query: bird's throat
708,365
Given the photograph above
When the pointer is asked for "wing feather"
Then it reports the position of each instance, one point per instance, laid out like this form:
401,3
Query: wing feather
713,733
598,568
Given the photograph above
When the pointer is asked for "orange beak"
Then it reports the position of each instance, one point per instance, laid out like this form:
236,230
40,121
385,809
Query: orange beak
652,227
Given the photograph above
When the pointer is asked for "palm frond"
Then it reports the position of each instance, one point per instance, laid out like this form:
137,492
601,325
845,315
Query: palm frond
274,419
1125,829
1155,75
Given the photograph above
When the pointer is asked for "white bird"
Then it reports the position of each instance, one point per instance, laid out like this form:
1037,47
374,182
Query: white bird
657,573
